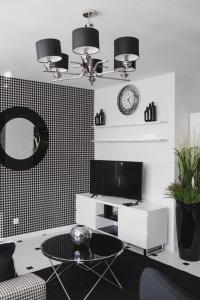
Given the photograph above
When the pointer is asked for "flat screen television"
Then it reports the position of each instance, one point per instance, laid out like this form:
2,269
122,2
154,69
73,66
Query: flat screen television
116,178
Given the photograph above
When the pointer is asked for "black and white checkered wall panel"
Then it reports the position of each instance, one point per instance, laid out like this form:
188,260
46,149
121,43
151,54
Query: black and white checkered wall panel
44,196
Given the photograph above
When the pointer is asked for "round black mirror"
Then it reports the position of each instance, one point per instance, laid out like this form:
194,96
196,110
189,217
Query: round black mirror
23,138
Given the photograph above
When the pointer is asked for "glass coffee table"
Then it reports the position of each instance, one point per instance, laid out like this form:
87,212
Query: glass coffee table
102,249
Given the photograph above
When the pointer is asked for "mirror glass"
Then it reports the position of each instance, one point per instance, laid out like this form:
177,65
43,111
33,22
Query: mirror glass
24,138
20,138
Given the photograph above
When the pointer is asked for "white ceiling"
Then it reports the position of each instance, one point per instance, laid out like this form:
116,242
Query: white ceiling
168,30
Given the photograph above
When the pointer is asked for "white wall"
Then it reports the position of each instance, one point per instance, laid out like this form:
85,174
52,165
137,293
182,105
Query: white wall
183,86
158,157
194,109
193,91
195,129
187,103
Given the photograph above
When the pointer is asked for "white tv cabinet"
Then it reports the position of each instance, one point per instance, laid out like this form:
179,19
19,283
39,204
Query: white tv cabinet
143,225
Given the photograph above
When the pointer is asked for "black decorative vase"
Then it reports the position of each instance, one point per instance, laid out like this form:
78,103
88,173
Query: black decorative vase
188,230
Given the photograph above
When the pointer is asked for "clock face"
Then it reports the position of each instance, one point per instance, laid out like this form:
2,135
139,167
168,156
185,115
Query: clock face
128,99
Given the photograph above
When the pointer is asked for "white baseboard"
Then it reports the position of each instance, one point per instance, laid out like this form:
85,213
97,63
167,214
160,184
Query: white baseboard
171,248
134,248
37,233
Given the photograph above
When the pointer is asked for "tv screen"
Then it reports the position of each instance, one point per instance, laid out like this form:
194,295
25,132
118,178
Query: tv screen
116,178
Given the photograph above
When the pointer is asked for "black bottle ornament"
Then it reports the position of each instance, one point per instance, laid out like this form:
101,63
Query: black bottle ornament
150,112
97,120
146,114
154,113
101,117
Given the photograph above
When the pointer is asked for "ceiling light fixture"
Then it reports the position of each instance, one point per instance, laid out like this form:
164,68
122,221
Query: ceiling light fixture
85,42
124,67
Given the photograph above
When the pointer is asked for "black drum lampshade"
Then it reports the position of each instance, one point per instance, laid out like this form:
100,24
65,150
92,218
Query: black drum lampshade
61,66
99,68
119,67
48,50
126,48
85,40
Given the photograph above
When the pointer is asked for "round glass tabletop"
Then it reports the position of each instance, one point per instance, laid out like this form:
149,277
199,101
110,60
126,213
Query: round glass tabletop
101,246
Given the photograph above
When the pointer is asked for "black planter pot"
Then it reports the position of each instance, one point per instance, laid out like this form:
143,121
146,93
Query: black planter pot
188,230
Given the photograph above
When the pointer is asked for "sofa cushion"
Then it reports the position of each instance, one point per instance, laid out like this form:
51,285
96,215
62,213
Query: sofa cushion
24,287
7,268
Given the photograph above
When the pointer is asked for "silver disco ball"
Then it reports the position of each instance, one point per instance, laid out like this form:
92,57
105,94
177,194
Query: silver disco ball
80,234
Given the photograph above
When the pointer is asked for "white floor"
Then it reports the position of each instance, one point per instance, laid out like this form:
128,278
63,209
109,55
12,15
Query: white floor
29,258
172,259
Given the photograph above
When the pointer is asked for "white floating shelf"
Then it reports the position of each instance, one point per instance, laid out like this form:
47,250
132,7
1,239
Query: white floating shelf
133,124
130,140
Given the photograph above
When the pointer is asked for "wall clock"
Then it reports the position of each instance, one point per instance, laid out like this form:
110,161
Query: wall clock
128,99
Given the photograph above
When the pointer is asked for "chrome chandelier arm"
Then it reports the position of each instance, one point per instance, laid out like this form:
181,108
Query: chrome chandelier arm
77,64
71,73
100,63
46,71
68,78
63,73
106,72
112,78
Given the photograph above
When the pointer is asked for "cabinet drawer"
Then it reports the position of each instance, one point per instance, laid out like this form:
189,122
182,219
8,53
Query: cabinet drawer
132,226
133,237
133,218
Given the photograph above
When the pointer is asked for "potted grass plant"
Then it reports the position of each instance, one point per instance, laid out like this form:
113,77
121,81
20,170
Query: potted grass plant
186,192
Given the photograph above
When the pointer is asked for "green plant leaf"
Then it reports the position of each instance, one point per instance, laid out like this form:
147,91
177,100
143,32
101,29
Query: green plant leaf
187,189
